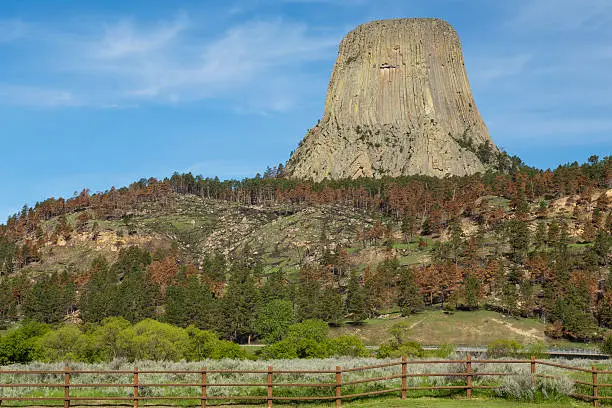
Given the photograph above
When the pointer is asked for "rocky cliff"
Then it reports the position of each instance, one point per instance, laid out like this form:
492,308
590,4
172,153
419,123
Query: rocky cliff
398,103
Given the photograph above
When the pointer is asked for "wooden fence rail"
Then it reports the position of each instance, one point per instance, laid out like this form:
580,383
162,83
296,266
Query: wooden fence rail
335,387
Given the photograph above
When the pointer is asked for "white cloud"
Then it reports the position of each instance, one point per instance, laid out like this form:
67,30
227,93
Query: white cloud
123,39
562,15
36,96
172,62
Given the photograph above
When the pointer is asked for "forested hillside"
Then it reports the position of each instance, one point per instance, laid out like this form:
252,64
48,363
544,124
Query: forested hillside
249,258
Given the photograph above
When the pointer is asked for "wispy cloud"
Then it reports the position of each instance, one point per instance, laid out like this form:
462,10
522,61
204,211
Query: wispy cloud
126,63
36,96
124,40
487,68
562,15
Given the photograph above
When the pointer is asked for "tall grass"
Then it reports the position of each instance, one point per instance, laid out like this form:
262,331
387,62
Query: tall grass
517,386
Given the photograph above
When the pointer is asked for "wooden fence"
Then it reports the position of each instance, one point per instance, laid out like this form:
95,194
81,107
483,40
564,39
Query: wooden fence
269,385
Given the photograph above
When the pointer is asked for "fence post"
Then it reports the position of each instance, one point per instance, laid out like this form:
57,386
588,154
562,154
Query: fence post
269,386
468,370
404,371
338,387
595,388
203,386
135,387
533,370
67,387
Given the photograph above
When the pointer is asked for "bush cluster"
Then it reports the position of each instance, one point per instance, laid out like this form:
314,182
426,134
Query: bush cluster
511,348
309,339
113,338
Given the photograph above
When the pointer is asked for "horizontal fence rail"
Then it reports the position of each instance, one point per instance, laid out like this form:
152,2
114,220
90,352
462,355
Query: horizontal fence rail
270,380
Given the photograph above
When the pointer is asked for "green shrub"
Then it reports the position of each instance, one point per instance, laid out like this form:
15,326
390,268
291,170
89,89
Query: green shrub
68,343
20,345
203,344
227,349
350,346
152,340
311,348
405,349
521,388
504,348
443,351
313,329
308,339
106,335
537,350
274,319
283,349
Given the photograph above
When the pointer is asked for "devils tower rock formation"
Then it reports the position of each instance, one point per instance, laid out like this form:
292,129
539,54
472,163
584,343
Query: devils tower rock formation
398,103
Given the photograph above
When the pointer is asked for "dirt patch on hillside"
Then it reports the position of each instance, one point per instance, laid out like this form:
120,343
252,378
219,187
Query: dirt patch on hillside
532,333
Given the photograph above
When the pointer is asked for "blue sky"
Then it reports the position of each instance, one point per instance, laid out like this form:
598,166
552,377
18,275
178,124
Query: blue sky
96,94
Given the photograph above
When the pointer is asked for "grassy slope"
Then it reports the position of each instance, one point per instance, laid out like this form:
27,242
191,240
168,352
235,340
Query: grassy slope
280,237
435,327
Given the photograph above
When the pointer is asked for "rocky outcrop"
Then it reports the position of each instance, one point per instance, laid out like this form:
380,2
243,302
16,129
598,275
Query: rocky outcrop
398,103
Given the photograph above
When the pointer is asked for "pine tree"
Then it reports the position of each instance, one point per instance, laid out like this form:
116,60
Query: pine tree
470,293
604,306
239,305
539,237
602,246
408,226
527,298
588,232
517,233
574,312
99,298
175,312
138,296
307,294
8,253
409,299
330,307
456,241
509,299
275,287
50,299
130,260
191,304
553,232
355,299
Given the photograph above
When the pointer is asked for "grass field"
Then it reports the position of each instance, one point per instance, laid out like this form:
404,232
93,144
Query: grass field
436,327
434,403
514,382
448,403
416,403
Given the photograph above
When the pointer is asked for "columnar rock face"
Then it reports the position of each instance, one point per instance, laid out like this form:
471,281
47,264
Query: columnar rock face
397,104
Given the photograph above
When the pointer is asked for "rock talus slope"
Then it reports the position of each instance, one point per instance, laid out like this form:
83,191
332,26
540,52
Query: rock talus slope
398,101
